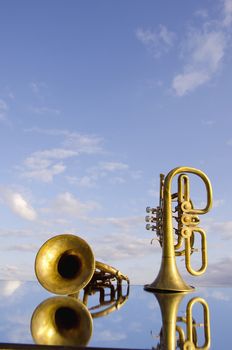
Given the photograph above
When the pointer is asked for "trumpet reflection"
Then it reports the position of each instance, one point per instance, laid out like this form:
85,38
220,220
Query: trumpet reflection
66,320
172,336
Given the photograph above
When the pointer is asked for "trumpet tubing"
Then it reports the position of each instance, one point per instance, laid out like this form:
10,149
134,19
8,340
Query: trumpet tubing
187,218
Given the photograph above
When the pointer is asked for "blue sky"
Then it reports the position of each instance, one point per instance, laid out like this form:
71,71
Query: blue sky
98,98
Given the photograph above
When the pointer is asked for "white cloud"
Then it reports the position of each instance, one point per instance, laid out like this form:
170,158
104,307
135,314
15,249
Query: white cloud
45,174
224,229
123,245
183,83
158,41
117,171
218,273
203,13
204,53
43,165
67,203
10,287
81,143
23,247
3,109
22,272
218,203
107,335
113,166
227,11
84,181
19,205
84,144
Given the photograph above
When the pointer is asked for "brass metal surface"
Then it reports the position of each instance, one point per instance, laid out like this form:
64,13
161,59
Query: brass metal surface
61,321
65,264
67,320
171,323
187,219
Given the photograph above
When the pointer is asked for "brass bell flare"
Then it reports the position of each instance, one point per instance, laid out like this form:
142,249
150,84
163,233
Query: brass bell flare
168,279
64,264
61,321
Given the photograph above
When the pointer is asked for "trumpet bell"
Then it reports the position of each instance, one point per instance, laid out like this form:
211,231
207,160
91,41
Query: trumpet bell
64,264
61,321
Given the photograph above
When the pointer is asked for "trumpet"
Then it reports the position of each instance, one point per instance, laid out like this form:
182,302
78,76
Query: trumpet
172,335
65,264
187,218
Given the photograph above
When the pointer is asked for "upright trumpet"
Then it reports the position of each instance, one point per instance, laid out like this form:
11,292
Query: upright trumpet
65,264
161,221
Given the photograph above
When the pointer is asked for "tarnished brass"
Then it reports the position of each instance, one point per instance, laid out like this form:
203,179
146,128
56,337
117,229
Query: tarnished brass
65,264
66,320
169,278
169,304
61,321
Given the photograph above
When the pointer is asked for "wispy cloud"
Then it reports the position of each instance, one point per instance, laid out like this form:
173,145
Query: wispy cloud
227,12
204,51
45,164
37,88
113,172
218,273
18,204
3,109
157,41
22,247
224,229
209,122
10,287
66,203
122,246
45,110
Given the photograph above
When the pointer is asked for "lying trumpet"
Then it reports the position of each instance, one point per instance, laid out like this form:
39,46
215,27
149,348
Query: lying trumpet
65,264
161,221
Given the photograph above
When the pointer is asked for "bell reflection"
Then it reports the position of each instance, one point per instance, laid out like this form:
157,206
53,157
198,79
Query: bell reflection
61,321
182,332
66,320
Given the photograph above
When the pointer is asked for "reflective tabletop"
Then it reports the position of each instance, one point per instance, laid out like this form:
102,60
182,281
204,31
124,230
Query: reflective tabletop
127,318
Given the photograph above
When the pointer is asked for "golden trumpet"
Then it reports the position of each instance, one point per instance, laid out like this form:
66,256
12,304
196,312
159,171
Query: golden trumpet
172,335
65,264
187,226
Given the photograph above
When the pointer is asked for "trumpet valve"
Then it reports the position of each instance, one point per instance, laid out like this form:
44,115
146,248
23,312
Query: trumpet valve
151,227
150,219
190,220
150,210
